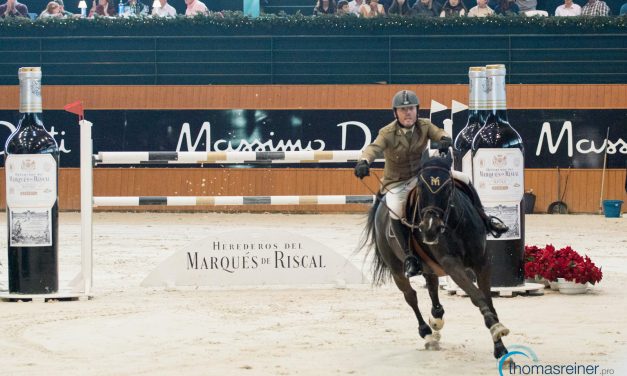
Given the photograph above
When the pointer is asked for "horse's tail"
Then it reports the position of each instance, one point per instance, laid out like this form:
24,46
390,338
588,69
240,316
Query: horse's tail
380,270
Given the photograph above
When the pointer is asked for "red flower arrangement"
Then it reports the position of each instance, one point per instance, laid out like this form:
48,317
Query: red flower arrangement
566,263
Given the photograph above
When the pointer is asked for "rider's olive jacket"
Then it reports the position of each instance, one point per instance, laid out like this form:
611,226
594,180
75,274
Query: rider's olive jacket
402,158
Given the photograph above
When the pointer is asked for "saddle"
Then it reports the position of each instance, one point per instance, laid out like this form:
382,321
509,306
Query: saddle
417,249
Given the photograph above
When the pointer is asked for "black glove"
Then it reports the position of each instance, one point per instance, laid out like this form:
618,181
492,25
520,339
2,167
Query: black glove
444,144
361,169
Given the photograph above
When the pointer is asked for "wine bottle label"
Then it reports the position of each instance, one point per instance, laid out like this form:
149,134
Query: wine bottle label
31,187
30,89
31,180
498,174
509,213
30,227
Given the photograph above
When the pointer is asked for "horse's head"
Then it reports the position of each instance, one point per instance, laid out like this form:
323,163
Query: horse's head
433,196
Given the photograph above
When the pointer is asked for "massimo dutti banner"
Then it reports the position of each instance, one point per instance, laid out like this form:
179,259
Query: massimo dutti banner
552,138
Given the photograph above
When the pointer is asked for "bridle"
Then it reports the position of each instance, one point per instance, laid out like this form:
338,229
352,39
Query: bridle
420,212
444,213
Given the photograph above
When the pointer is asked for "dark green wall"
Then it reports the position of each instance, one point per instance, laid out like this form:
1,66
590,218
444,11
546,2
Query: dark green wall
284,51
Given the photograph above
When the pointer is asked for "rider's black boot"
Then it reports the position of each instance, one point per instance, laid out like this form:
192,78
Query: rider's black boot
495,226
412,265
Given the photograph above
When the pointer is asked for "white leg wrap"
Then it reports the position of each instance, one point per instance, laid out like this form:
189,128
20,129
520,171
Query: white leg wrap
498,330
436,324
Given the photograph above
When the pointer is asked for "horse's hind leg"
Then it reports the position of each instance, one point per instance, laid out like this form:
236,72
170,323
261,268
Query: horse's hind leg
412,300
499,330
457,271
437,311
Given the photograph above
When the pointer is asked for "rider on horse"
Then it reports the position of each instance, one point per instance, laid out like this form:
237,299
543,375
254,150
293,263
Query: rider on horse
402,143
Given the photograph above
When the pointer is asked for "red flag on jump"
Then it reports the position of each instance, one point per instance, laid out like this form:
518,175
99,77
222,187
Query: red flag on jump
75,108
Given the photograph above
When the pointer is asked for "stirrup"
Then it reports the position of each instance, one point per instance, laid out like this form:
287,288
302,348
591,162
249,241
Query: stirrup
412,266
496,227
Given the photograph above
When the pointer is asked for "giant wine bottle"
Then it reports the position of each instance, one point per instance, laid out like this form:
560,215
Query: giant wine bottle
477,114
31,165
498,175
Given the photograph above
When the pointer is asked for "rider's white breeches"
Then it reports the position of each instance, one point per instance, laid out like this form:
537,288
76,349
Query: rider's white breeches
396,197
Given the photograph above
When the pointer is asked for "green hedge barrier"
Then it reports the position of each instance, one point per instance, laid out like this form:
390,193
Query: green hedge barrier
234,23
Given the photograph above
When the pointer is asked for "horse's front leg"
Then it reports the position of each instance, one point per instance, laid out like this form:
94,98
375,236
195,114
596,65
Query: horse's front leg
436,321
499,330
456,270
424,330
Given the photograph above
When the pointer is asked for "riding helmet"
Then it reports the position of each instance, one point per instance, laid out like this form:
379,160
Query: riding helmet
405,98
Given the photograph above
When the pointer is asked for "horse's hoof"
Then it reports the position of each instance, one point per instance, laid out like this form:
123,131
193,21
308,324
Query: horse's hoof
508,364
437,336
498,330
436,324
431,343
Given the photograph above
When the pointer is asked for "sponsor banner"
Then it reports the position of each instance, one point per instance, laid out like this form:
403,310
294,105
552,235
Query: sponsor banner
552,138
254,257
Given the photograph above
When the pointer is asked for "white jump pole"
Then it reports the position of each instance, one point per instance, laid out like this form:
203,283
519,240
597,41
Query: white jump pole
86,204
232,200
227,157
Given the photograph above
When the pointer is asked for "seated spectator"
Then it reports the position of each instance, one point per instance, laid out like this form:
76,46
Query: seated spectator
568,9
506,8
400,8
13,8
425,8
165,10
595,8
195,7
53,9
343,9
481,9
528,8
324,7
135,8
63,11
354,5
104,8
371,9
526,5
453,8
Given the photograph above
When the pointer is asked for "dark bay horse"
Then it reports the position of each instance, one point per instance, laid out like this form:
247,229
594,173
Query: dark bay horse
445,224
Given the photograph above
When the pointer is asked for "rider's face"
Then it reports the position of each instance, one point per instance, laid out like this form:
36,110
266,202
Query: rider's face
407,116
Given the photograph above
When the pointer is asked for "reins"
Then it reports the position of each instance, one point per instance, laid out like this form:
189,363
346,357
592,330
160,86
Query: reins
376,196
444,213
